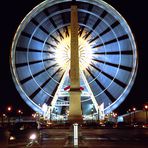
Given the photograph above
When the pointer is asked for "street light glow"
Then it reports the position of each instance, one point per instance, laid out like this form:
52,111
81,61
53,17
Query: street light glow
9,108
146,106
19,111
134,109
33,137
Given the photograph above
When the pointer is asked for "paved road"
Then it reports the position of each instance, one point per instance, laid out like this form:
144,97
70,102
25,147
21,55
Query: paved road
3,138
92,138
114,138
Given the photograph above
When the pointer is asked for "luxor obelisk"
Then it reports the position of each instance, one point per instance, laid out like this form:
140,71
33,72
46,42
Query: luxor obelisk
75,111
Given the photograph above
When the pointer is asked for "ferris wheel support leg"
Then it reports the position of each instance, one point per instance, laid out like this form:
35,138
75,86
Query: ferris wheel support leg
53,103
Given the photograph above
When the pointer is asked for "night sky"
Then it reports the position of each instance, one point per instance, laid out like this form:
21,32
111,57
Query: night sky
13,11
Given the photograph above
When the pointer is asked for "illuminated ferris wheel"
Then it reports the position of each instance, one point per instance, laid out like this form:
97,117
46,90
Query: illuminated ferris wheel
40,57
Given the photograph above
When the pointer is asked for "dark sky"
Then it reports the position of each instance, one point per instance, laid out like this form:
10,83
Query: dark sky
13,11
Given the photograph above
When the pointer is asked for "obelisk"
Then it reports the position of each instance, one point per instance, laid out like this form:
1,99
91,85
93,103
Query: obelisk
75,111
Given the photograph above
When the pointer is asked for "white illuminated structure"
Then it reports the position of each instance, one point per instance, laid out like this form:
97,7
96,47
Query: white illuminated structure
40,58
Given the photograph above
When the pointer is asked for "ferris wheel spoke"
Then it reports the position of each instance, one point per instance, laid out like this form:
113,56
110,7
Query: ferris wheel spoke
66,31
110,77
64,21
114,65
47,98
37,91
102,87
34,50
41,27
104,13
32,37
128,52
94,39
55,39
33,62
53,23
36,74
123,37
108,29
90,7
116,23
37,39
54,91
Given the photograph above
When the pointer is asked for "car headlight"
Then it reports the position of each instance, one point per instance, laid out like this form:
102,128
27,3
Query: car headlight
12,138
33,137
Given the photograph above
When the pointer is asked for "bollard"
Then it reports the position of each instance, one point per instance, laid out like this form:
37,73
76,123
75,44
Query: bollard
75,135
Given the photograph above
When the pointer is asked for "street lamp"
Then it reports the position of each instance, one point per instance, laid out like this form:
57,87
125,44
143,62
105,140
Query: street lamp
134,109
146,109
115,116
9,109
98,115
50,113
56,115
20,113
92,111
3,118
129,111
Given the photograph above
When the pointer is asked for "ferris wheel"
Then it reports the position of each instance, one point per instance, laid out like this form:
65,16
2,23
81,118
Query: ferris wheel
40,57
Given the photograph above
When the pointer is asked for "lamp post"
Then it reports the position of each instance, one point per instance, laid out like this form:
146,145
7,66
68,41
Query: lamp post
19,113
50,113
4,117
130,116
56,115
92,111
98,116
134,109
146,109
9,109
115,115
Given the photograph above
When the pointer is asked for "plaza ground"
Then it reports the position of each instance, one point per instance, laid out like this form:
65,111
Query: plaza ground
91,138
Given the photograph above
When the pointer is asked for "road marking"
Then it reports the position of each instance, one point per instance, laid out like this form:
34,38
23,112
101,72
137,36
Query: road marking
93,138
53,138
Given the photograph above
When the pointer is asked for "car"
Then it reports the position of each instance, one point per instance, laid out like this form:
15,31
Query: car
26,132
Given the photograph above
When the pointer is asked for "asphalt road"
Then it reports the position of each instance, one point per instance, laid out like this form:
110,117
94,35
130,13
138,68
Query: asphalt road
90,138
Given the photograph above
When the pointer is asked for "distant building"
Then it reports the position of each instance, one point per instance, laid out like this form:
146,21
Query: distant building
135,116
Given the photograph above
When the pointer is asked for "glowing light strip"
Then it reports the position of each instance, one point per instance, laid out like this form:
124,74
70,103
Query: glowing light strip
54,100
90,92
